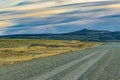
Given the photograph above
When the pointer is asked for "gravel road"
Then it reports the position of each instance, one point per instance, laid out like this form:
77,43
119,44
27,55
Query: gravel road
99,63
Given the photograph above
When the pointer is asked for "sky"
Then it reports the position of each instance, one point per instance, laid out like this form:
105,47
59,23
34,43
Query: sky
58,16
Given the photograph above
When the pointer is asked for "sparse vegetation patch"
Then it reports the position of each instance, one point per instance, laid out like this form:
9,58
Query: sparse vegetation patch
15,50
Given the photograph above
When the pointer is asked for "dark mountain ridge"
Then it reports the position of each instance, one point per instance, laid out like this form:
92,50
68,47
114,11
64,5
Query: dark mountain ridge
83,35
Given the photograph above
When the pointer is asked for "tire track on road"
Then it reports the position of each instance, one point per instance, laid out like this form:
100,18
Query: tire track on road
74,75
64,67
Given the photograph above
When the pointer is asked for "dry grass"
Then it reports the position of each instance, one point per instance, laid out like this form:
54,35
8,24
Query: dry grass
15,50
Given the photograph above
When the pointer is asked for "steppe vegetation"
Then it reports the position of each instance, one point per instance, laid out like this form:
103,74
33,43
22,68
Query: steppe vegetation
15,50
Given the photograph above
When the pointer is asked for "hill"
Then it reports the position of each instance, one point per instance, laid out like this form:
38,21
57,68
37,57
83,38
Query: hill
83,35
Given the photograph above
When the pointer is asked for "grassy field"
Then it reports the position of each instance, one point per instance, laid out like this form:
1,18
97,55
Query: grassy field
15,50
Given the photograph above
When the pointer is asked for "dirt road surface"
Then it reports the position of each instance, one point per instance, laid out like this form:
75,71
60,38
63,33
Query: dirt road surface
99,63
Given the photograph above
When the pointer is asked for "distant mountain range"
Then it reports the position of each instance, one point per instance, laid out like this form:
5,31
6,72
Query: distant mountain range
83,35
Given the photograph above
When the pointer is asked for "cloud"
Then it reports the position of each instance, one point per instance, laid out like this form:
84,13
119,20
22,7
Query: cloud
50,28
38,13
6,23
56,16
114,6
29,6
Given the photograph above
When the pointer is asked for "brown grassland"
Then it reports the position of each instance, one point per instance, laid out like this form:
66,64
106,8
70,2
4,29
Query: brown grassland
16,50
